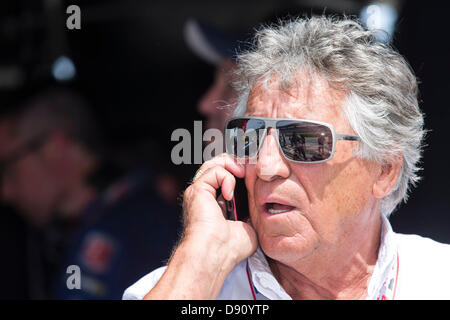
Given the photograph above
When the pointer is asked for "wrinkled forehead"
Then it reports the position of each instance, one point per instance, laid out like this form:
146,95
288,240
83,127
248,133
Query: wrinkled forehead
305,96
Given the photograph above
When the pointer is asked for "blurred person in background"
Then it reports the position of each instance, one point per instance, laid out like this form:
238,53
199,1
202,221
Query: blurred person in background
6,125
84,211
12,226
218,49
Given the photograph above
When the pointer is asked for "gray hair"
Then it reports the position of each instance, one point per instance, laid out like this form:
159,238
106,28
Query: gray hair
381,90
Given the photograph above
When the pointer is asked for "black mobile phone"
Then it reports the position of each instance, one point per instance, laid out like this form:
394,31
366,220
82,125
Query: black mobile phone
237,208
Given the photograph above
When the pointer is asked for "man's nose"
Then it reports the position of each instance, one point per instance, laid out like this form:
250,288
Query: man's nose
206,103
271,162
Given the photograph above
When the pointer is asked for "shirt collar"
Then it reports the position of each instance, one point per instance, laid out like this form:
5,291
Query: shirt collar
263,279
381,285
384,277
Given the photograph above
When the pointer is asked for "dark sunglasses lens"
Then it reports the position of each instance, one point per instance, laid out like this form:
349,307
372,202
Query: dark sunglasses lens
304,141
242,137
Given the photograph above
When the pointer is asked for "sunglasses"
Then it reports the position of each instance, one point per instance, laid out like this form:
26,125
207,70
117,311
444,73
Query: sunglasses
302,141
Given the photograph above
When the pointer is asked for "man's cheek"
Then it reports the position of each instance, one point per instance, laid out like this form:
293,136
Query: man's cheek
252,208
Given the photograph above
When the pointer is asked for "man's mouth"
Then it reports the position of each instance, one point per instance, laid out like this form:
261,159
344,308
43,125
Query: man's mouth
276,208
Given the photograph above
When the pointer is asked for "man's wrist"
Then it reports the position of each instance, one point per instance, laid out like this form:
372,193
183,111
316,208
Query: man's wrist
211,256
196,270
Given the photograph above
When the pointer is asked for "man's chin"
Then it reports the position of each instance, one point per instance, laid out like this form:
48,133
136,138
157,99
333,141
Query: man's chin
286,249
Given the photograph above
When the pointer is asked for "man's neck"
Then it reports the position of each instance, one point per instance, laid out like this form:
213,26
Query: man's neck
351,285
76,200
340,275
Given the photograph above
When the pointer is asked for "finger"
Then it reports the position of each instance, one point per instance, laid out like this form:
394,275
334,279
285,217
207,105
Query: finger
226,161
247,239
215,178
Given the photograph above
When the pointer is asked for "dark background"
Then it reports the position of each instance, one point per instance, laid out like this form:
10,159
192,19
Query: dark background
133,63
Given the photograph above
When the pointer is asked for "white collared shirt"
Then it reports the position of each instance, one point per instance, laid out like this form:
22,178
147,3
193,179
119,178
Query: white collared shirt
408,267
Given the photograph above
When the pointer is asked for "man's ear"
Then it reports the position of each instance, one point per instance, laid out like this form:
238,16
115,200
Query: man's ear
388,176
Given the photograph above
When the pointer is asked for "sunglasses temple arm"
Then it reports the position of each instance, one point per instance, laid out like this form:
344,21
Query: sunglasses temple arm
347,137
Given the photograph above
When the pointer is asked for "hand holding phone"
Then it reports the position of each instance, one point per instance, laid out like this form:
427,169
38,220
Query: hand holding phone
217,243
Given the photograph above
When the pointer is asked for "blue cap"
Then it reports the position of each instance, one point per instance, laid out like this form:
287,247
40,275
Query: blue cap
210,44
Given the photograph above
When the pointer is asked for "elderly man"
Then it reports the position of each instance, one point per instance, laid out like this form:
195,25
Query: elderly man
318,226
